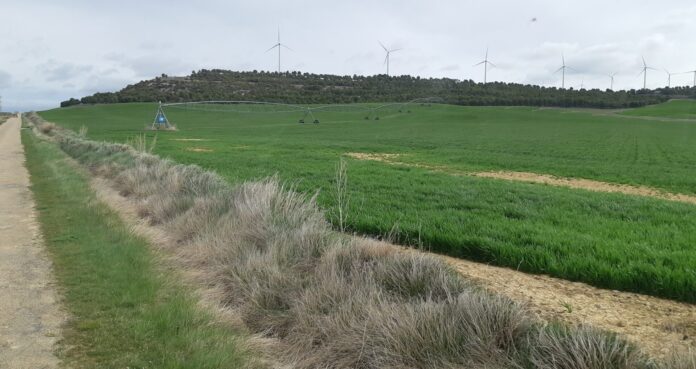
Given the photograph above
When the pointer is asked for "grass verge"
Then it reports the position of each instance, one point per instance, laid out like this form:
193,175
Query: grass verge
124,312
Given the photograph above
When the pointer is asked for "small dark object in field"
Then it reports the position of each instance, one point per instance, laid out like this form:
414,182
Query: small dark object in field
376,118
316,121
367,118
301,120
408,111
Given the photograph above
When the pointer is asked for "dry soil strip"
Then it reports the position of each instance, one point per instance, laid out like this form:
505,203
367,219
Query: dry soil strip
587,184
659,326
30,317
574,183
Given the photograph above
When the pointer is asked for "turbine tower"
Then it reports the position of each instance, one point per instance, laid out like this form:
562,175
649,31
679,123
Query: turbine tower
279,45
669,78
562,69
694,72
388,51
644,72
485,63
611,86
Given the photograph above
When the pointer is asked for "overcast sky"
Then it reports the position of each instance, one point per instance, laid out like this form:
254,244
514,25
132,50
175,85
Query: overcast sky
53,50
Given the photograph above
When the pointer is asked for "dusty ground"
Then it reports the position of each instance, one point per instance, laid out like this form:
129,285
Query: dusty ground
587,184
29,313
658,326
577,183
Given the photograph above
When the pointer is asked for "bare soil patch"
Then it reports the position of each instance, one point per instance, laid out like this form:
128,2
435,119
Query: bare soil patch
587,184
547,179
658,326
30,316
199,149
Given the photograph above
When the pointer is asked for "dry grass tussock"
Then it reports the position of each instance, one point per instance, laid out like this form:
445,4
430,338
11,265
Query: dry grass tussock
333,301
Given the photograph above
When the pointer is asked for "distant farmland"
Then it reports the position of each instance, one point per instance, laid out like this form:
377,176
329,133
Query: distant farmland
423,195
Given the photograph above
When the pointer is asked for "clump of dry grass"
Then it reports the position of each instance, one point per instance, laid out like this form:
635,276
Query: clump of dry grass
47,128
334,301
559,347
680,360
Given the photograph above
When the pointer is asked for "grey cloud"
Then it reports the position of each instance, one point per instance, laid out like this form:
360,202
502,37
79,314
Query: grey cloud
153,64
79,46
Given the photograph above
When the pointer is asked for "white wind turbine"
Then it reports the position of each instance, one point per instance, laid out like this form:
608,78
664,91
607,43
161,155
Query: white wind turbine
611,76
694,72
644,72
485,63
669,77
388,51
562,69
279,45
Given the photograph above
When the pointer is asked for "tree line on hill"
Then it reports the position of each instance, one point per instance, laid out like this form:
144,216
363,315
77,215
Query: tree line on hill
307,88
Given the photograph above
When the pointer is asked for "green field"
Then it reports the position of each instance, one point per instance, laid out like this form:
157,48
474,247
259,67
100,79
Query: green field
680,109
609,240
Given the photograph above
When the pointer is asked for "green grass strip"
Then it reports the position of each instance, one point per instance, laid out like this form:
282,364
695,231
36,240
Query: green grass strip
124,311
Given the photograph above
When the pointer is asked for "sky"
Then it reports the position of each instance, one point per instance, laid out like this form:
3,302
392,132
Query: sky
53,50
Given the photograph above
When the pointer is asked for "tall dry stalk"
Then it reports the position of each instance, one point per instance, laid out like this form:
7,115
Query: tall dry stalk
342,197
139,143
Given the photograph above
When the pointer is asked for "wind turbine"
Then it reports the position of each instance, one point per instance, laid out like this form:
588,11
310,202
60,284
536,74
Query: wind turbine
563,69
611,86
485,63
279,46
694,72
644,72
388,51
669,78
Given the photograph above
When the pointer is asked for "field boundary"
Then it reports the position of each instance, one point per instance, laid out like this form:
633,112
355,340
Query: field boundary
538,178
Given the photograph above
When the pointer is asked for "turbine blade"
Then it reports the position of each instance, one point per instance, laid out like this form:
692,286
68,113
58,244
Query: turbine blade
383,47
477,64
494,66
642,57
272,47
393,50
286,47
559,69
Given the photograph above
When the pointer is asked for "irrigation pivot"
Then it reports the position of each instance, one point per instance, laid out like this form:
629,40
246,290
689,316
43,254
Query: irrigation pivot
304,113
161,122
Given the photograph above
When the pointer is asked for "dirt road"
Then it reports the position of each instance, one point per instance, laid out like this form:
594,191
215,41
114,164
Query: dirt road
29,314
